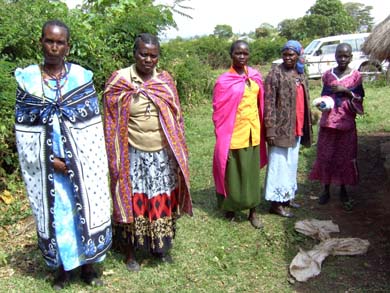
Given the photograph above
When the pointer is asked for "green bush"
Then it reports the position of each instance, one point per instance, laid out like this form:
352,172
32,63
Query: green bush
8,157
265,50
194,80
213,51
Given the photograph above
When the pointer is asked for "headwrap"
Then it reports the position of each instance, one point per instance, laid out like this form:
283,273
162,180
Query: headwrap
297,48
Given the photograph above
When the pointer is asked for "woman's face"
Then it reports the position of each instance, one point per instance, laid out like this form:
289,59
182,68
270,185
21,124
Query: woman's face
240,55
146,58
54,45
290,58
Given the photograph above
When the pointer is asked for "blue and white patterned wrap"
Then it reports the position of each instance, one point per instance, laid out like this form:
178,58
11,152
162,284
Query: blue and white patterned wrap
72,212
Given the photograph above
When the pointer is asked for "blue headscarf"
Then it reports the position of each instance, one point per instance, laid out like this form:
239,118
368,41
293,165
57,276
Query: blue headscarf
297,48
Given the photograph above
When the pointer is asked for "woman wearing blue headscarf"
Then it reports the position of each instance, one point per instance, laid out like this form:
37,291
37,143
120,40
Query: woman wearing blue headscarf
287,123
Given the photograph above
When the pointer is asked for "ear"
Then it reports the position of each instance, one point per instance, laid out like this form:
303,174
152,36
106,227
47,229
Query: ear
67,50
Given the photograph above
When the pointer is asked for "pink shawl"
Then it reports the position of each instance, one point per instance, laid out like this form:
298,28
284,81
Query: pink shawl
228,92
162,91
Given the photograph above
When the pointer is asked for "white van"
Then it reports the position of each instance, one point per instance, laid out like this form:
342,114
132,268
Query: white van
320,55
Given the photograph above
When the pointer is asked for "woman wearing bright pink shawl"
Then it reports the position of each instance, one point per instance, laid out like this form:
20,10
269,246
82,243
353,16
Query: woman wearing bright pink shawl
240,149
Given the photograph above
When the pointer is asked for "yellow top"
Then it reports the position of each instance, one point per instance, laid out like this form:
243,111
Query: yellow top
246,131
145,132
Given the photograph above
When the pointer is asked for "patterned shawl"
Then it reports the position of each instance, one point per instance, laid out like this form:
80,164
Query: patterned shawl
83,140
117,96
228,92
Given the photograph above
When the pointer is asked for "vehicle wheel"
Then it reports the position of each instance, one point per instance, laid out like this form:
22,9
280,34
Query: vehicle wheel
370,71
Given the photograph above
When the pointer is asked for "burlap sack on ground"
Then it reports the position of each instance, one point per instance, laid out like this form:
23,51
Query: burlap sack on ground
316,229
307,264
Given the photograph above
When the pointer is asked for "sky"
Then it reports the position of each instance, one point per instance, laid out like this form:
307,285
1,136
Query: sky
245,16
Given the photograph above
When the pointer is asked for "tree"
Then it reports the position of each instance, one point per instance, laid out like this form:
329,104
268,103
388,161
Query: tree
339,19
361,14
264,30
223,31
315,26
290,28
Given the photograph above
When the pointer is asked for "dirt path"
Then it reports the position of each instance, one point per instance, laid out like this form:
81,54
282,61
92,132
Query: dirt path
369,219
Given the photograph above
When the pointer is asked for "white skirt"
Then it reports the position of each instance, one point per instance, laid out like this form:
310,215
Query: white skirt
281,177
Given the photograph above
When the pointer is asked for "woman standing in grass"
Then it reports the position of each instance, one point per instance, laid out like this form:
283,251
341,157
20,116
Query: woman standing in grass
287,125
60,140
147,152
240,145
337,139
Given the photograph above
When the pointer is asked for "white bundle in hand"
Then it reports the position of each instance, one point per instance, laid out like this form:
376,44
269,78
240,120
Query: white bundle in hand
324,103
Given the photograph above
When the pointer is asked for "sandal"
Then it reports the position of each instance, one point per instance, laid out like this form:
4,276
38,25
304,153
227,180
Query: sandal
163,257
293,204
348,205
61,280
91,278
133,266
324,198
256,222
229,215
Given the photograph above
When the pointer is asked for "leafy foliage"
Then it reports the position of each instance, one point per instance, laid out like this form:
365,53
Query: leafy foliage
265,30
223,31
102,37
20,39
8,158
339,20
265,49
194,79
326,18
361,14
290,28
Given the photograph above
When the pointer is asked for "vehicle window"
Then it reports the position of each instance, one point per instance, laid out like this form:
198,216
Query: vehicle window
359,43
327,48
311,47
353,44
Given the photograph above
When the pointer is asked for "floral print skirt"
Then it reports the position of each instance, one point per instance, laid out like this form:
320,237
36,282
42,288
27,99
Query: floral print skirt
154,178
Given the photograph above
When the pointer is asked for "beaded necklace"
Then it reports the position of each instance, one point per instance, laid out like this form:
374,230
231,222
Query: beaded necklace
60,82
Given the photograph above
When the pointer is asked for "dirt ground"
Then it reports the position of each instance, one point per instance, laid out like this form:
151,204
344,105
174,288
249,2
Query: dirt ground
369,219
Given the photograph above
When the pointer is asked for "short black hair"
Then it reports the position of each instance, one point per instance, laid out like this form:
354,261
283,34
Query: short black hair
146,38
56,22
341,45
235,44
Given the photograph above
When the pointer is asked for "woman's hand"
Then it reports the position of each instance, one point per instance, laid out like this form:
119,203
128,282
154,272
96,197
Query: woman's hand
59,166
342,89
338,89
271,140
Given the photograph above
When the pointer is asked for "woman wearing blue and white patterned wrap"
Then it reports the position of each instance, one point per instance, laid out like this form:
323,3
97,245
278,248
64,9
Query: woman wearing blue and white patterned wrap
60,141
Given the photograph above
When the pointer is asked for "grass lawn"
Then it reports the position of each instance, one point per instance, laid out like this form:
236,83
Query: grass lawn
210,254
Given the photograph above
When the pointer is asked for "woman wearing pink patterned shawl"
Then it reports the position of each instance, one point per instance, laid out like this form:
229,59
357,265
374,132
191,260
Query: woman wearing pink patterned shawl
147,152
336,161
240,145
